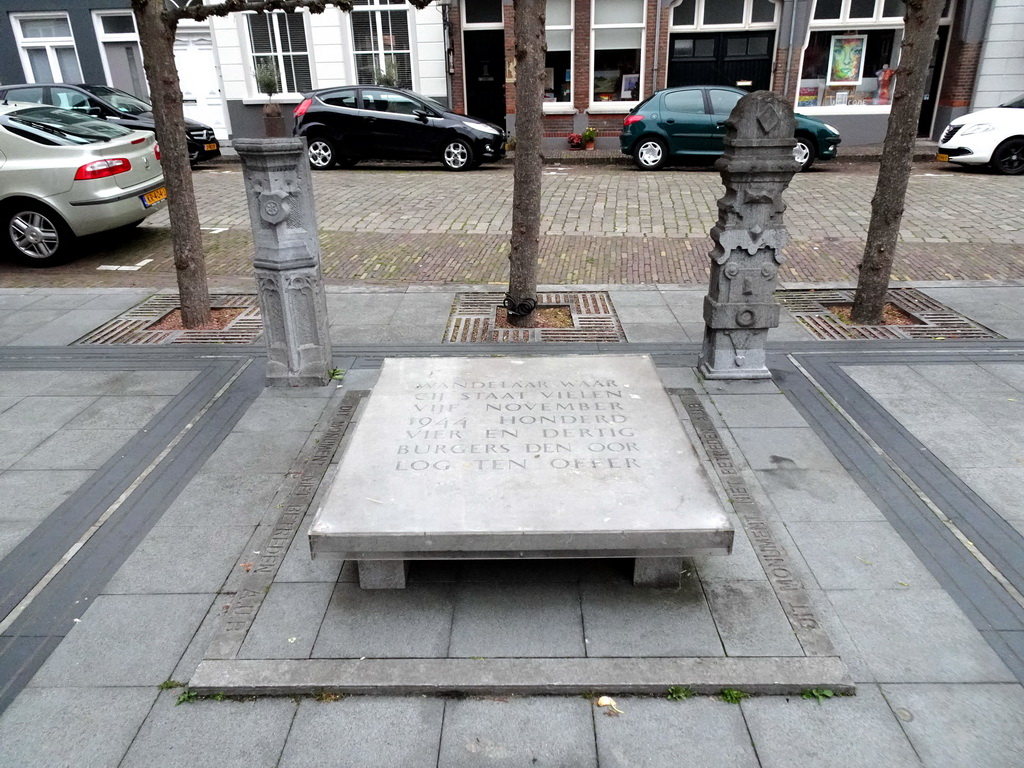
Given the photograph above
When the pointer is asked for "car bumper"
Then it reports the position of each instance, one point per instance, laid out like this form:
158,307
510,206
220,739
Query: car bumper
86,217
490,150
963,155
206,150
829,147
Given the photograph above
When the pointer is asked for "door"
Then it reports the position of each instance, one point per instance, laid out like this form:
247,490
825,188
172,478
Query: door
485,74
200,80
125,62
685,121
722,59
393,130
722,103
931,88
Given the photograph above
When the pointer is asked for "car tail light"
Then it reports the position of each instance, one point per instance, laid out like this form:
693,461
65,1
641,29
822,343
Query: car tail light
139,140
99,169
301,109
156,150
630,119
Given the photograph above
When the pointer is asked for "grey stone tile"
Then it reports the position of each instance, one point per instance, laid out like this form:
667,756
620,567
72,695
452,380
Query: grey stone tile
228,734
816,496
123,640
242,452
927,407
750,620
200,641
623,620
784,448
124,383
34,494
288,622
624,299
24,383
43,413
383,623
298,566
952,726
365,731
64,330
370,307
17,443
964,377
694,332
654,733
740,387
741,565
1011,373
28,318
12,533
60,300
119,412
634,314
48,727
789,330
958,443
116,300
421,333
995,410
679,377
280,414
517,621
76,449
218,500
7,402
653,332
549,731
358,334
853,731
9,301
863,555
889,379
757,411
173,560
917,636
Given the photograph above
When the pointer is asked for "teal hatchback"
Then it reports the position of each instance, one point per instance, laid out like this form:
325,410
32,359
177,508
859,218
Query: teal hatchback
689,122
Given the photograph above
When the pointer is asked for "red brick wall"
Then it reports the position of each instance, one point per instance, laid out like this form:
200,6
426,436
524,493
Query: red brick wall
652,80
581,55
779,73
509,17
961,72
459,75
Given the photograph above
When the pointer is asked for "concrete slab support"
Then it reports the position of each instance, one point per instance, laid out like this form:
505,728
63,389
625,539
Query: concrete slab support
382,574
287,261
657,572
756,169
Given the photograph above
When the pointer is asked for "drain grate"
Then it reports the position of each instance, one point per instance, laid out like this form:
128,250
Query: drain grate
937,321
472,319
133,326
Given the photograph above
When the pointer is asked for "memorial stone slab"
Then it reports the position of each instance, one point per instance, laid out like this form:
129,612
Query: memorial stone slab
463,458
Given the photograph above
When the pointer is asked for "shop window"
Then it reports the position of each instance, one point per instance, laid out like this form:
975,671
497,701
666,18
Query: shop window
382,44
762,12
47,49
618,47
683,15
828,9
862,9
280,39
483,12
558,60
844,68
899,8
717,13
723,12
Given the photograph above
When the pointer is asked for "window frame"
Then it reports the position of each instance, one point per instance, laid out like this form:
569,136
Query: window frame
48,44
279,54
616,107
374,8
119,37
565,107
698,18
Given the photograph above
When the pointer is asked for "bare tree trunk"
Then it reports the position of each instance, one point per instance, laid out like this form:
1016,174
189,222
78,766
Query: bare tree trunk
920,26
531,46
156,36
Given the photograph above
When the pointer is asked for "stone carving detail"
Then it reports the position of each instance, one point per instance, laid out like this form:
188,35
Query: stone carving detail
287,261
749,236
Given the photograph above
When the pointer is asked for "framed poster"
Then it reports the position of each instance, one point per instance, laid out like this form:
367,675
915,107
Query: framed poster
846,60
630,87
808,97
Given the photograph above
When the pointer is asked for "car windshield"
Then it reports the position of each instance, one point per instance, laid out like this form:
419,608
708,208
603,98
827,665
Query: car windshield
65,125
121,101
1018,102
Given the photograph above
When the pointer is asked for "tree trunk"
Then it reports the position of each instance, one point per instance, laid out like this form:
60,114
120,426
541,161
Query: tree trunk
920,27
531,46
156,36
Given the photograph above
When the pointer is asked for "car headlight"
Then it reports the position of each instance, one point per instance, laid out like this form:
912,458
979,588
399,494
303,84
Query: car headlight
979,128
482,128
832,128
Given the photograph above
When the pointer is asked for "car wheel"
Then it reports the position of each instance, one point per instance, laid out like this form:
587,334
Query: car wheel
321,154
650,154
37,236
193,158
1009,156
457,156
803,153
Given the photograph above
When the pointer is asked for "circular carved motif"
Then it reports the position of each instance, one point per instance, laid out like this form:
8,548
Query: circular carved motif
731,270
768,270
271,207
745,318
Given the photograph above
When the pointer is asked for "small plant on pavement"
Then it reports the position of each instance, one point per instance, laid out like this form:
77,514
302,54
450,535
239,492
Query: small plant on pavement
733,695
186,696
337,373
168,684
679,693
818,693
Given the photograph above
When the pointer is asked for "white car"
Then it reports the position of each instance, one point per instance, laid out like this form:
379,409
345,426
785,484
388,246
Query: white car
988,137
64,174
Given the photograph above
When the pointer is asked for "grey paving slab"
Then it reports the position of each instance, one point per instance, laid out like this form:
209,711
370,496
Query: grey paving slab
636,299
76,449
964,377
371,307
298,566
750,620
359,334
694,332
859,555
124,640
288,622
180,560
7,402
118,300
621,620
242,452
994,410
789,330
854,732
679,378
741,565
47,727
23,383
33,494
551,731
414,622
124,383
784,448
28,318
640,332
278,415
952,726
61,300
228,734
927,407
917,636
421,333
740,387
365,731
201,639
653,733
631,314
18,443
114,412
890,379
517,621
217,499
1011,373
9,301
12,533
816,496
70,326
757,411
959,443
43,413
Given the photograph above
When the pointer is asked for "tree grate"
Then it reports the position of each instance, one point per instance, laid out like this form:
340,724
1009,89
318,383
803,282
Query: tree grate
134,326
935,320
473,319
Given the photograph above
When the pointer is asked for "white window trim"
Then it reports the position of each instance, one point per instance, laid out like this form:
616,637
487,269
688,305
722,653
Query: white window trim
877,19
613,107
351,44
106,37
255,97
698,17
481,24
565,107
47,43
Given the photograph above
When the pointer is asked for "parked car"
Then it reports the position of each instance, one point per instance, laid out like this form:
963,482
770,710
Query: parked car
64,174
690,122
993,137
115,106
346,125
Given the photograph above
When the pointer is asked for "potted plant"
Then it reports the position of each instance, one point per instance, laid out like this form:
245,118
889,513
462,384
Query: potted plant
268,82
588,136
575,141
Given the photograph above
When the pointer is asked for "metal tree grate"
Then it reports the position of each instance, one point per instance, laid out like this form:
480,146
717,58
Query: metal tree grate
133,326
935,320
472,319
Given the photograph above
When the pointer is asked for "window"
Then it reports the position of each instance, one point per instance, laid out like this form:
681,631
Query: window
718,13
27,95
280,38
483,12
723,102
849,68
618,29
558,60
66,98
47,48
383,48
388,101
826,10
686,102
122,55
345,98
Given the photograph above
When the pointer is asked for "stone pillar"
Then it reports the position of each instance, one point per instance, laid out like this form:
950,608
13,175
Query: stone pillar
287,261
756,169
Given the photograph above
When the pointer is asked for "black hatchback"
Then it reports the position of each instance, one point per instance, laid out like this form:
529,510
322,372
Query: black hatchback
346,125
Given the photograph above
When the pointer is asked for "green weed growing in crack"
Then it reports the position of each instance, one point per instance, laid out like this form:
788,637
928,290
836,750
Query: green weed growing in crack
337,373
186,696
818,693
166,685
733,695
679,693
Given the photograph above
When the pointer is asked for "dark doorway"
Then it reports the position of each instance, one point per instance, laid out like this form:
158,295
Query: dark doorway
485,74
734,58
931,85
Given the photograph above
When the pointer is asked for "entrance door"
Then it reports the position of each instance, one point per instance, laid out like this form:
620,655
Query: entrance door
931,87
485,74
722,59
197,73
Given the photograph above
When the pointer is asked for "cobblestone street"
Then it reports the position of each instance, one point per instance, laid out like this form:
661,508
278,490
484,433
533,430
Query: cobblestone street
601,224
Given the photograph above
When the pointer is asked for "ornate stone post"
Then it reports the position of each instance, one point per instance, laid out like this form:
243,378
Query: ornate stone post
287,260
756,169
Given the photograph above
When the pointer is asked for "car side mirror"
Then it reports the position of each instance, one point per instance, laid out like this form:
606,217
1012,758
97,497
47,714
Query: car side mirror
94,111
421,115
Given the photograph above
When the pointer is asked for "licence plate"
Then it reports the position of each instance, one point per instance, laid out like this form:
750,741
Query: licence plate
942,158
209,147
151,198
